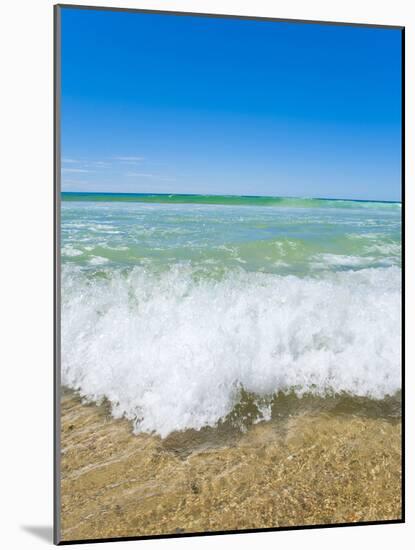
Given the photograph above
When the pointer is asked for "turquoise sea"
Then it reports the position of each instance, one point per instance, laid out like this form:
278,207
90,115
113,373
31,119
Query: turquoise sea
172,305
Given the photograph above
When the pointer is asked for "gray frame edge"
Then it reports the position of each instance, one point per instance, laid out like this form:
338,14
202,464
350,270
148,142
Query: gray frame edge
57,274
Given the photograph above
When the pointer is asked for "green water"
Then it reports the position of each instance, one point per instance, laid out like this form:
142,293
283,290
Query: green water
242,200
214,233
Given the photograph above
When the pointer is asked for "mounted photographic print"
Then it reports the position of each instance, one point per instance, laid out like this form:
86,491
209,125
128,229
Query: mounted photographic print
228,274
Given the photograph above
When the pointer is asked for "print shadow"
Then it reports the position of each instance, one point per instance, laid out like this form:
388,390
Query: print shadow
43,532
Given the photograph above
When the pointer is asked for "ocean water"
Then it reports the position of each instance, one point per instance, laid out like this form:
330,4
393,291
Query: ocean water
178,308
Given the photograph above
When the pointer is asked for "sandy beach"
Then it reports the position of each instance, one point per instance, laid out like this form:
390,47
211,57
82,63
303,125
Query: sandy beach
314,468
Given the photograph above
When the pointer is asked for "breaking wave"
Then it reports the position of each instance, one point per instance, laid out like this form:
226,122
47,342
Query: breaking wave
172,350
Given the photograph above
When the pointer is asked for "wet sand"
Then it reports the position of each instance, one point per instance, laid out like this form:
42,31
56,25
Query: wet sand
314,468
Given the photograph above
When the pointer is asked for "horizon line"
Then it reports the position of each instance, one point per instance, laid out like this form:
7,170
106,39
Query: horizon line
147,193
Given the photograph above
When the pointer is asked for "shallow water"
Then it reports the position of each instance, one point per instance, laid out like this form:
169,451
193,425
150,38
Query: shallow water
307,469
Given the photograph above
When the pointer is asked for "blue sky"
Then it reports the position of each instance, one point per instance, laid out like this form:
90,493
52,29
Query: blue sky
172,104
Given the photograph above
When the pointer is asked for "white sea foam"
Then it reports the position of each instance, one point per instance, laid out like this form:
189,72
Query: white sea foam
385,248
322,260
171,351
98,260
70,251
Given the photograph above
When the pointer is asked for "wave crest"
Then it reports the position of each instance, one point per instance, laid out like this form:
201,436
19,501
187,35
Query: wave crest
171,351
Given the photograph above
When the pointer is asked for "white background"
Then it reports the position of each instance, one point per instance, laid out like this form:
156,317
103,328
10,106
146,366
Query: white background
26,207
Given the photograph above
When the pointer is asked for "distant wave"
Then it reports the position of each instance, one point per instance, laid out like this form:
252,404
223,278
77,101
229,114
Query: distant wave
170,351
228,200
